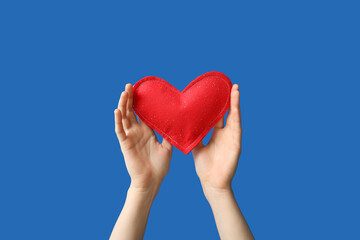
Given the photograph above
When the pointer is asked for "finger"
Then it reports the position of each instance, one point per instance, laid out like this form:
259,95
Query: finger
219,124
144,125
130,112
198,147
234,112
122,102
119,130
141,122
122,106
166,144
129,90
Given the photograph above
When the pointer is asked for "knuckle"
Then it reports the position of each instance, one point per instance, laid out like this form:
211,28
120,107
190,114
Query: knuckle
117,130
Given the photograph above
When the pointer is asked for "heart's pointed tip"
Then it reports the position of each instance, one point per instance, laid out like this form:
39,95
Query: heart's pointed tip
186,152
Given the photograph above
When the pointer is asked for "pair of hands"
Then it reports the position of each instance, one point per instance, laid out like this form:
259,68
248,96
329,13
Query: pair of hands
148,161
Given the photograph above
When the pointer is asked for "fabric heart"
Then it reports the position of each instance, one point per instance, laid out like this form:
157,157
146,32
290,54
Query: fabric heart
183,118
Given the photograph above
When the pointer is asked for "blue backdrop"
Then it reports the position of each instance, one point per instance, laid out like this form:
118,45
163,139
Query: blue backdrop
65,63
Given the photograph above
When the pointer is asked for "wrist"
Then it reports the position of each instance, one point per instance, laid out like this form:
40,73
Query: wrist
148,191
213,193
139,201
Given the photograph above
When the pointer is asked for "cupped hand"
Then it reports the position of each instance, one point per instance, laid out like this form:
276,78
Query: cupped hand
216,162
147,161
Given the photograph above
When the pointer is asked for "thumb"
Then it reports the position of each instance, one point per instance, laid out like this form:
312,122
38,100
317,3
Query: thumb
198,147
166,144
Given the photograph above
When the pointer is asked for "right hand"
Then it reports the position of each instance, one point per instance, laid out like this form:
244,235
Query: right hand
147,161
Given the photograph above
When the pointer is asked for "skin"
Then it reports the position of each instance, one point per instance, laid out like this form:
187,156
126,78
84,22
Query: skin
148,161
216,165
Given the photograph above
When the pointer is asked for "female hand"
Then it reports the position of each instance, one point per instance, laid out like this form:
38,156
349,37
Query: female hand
147,161
216,162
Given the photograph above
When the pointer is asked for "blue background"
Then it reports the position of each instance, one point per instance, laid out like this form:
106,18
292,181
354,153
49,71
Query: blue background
63,65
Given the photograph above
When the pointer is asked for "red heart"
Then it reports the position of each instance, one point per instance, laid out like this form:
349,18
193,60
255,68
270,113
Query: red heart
183,118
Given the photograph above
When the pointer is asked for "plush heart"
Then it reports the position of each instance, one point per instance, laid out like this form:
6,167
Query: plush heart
183,118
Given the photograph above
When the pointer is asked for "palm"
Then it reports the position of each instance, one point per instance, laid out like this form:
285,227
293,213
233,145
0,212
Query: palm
141,144
145,158
216,162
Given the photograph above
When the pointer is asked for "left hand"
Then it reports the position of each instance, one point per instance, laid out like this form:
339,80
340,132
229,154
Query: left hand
216,162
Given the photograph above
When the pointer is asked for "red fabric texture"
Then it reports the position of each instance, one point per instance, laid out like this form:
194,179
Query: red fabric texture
183,118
